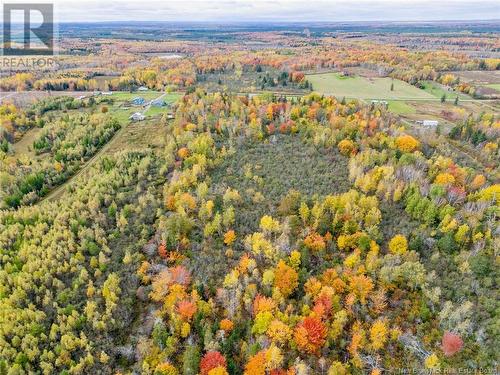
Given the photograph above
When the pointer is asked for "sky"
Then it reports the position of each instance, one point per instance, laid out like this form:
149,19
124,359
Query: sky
273,10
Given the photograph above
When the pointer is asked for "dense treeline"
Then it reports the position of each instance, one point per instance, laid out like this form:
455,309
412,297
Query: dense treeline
483,133
65,144
15,121
409,65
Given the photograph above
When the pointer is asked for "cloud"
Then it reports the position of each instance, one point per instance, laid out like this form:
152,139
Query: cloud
275,10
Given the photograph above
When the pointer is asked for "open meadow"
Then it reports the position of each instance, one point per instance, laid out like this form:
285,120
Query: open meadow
357,87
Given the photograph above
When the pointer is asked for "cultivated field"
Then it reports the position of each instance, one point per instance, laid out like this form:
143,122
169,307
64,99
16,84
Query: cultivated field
479,76
365,88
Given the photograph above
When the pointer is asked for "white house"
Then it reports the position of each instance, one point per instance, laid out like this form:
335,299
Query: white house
142,88
430,123
107,93
383,102
137,117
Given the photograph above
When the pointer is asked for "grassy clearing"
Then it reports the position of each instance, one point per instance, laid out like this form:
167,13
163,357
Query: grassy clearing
401,108
125,96
138,136
365,88
437,90
495,86
123,114
25,145
156,111
169,99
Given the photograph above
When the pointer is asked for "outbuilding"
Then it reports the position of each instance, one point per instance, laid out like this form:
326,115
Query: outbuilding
158,103
138,101
137,117
429,123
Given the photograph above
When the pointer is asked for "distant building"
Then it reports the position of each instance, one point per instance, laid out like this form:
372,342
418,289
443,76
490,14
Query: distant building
430,123
142,88
158,103
107,93
138,101
81,97
137,117
384,102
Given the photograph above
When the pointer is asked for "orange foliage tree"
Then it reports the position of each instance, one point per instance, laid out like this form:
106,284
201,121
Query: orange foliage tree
310,335
211,360
286,278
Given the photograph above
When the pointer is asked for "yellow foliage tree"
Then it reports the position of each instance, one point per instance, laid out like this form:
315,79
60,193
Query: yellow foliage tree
279,332
267,223
378,334
398,244
432,361
346,147
407,143
444,179
229,237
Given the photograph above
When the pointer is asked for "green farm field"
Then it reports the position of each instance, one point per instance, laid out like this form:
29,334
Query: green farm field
124,96
365,88
401,107
495,86
438,91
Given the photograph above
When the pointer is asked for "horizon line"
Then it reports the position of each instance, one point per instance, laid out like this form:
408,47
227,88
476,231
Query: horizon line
249,22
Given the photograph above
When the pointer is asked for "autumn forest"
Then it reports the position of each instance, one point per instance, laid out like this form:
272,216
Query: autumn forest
252,200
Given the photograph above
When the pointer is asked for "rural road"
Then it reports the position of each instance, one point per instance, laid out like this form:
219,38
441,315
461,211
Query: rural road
6,96
58,191
145,109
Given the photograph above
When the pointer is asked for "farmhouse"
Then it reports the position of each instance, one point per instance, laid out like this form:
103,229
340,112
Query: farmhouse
142,88
137,117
